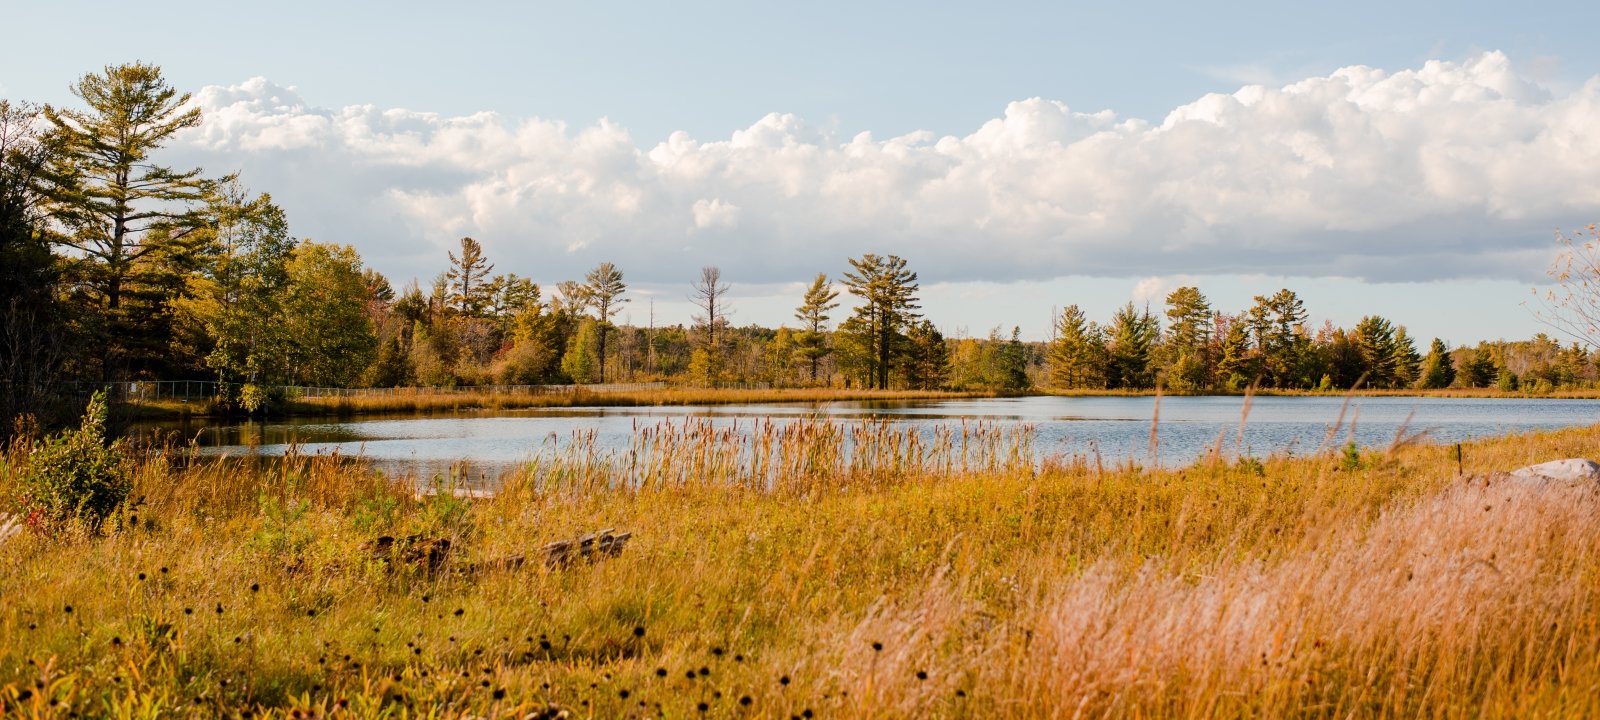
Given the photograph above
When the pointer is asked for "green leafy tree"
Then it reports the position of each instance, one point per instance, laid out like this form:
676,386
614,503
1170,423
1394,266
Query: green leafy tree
324,311
888,293
580,361
236,300
1438,369
77,475
819,300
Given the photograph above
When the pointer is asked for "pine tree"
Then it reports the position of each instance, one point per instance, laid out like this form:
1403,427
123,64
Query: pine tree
470,292
1133,336
928,367
114,204
1375,343
1189,315
1238,367
818,301
603,287
1406,359
1438,370
1075,352
889,306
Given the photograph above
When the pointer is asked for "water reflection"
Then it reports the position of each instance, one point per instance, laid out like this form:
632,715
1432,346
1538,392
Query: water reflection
1112,428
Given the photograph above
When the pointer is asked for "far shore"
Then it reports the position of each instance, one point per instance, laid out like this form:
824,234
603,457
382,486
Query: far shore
410,401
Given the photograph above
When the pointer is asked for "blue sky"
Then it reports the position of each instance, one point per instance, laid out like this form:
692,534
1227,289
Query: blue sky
345,90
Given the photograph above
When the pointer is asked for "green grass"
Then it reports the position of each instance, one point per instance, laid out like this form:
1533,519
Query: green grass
881,574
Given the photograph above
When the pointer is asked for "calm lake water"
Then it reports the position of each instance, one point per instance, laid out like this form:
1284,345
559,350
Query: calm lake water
1116,428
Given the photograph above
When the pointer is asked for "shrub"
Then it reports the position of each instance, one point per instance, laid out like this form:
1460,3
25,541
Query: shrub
76,475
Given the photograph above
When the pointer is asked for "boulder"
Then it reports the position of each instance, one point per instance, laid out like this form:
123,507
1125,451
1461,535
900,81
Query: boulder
1570,471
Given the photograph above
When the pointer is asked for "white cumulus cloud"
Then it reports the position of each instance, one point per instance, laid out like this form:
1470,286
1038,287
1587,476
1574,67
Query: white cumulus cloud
1450,170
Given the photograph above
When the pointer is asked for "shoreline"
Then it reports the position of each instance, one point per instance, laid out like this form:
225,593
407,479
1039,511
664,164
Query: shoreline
421,401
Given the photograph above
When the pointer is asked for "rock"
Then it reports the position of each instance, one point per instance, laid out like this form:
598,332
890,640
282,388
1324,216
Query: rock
1571,470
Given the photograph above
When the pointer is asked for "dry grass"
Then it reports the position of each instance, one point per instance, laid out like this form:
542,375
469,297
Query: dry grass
854,570
423,401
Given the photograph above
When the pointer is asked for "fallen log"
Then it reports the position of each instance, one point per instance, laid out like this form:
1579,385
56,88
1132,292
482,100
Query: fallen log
432,554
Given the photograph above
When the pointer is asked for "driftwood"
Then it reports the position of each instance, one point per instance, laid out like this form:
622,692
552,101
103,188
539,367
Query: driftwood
425,553
432,555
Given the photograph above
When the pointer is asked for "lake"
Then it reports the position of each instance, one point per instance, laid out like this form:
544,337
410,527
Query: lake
1114,428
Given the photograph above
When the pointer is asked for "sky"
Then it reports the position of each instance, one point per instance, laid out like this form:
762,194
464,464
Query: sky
1406,159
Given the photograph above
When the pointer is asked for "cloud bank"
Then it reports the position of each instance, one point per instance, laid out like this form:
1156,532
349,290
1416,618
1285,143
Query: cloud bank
1452,170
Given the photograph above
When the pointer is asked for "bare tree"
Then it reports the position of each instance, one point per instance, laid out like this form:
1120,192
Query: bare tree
710,295
1572,305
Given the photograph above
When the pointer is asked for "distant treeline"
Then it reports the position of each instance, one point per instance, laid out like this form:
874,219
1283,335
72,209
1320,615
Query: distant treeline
113,267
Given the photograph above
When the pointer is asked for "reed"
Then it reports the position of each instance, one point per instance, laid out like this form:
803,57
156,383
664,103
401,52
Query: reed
850,569
422,400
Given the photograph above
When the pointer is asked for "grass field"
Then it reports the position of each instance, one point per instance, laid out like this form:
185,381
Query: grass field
825,570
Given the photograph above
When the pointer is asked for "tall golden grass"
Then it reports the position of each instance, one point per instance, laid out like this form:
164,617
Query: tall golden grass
422,401
854,570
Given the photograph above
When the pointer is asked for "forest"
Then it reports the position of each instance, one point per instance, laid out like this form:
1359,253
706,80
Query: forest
115,267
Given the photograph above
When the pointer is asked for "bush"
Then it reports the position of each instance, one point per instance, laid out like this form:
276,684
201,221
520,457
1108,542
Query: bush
75,475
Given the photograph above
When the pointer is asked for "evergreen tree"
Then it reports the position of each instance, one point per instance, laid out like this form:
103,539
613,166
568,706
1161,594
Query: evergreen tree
819,300
468,279
603,288
1012,363
1075,353
1278,323
107,195
928,364
1480,370
1133,335
1438,370
1375,343
1189,315
889,306
1238,367
1406,359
